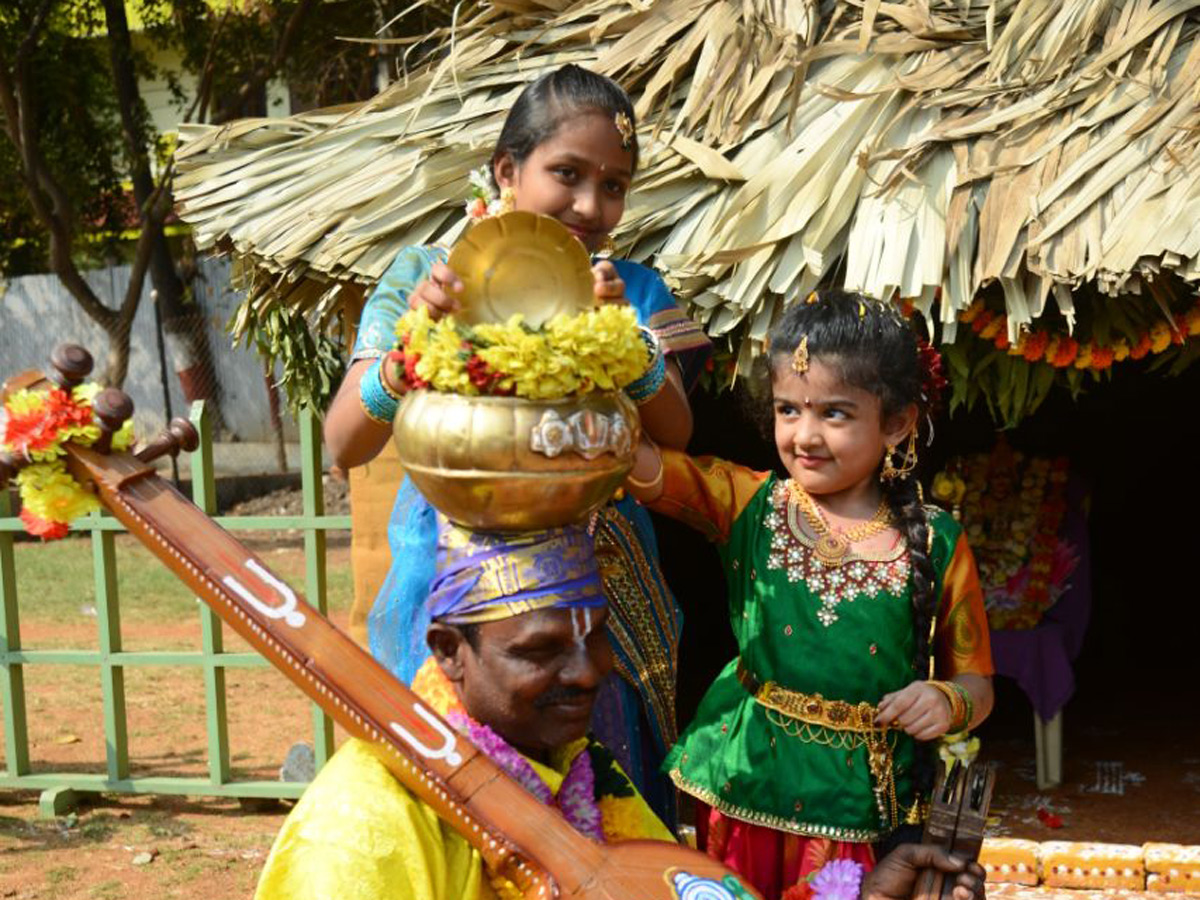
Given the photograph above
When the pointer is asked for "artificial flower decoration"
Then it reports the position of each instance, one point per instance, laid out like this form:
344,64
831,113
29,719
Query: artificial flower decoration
37,425
600,349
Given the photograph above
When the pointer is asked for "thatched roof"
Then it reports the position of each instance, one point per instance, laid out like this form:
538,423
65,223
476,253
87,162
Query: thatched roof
926,147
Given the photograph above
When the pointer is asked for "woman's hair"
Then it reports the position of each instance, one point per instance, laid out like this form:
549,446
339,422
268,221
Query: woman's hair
553,99
873,348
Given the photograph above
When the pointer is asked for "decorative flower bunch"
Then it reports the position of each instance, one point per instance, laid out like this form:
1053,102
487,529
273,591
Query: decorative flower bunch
37,425
482,200
1013,530
1063,351
600,349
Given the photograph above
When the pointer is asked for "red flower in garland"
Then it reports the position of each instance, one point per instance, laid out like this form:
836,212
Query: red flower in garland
1068,347
1035,345
933,380
39,527
482,375
1141,348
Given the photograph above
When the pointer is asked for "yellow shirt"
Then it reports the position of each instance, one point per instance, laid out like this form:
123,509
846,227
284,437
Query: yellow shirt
358,834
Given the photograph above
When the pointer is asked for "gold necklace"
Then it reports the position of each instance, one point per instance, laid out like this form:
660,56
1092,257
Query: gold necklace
833,546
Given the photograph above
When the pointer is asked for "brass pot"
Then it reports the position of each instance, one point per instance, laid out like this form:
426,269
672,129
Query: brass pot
511,464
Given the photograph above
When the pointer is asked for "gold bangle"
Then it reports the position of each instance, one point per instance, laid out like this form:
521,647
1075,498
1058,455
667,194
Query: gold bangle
652,484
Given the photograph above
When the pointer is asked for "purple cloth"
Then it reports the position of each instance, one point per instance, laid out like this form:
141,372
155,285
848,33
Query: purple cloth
1040,659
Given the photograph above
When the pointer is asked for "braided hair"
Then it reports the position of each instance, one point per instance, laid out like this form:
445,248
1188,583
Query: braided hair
871,347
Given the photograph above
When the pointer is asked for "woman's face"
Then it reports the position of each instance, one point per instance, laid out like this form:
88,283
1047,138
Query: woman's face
580,176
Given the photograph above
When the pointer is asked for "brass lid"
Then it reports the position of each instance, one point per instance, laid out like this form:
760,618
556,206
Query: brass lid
521,262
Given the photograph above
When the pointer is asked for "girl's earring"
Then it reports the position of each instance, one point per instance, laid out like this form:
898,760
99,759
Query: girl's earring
508,200
892,472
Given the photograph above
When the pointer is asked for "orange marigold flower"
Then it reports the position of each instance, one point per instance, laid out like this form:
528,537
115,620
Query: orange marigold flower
1160,337
1192,317
1102,358
1065,352
968,315
43,528
994,327
1141,348
1083,359
1035,343
981,321
1120,350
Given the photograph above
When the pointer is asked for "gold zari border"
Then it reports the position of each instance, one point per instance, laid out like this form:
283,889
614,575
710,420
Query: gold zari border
805,829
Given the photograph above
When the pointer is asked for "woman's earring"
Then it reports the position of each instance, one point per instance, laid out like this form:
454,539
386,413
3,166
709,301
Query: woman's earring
890,471
508,200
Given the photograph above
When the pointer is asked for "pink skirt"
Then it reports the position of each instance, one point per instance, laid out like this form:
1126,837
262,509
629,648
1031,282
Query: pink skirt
776,863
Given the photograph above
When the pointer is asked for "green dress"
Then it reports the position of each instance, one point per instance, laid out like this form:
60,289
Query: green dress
845,633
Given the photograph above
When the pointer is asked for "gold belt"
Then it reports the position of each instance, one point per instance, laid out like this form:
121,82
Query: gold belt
854,724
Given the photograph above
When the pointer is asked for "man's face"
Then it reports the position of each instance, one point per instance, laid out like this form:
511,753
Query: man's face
532,678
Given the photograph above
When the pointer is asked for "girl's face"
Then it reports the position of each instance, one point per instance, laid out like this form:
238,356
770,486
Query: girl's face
831,435
580,176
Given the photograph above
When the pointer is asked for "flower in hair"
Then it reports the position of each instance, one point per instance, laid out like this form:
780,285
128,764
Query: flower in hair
933,379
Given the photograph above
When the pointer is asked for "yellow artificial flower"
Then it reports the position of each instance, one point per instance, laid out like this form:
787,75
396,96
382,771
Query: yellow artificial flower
1121,350
23,402
49,492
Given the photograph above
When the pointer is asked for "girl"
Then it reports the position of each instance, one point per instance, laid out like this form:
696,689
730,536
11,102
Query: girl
804,748
568,149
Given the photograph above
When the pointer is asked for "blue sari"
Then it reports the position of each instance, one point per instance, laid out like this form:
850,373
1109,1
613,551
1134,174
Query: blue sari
635,714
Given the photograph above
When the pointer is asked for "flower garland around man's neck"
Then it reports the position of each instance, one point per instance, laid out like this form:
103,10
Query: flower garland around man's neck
37,426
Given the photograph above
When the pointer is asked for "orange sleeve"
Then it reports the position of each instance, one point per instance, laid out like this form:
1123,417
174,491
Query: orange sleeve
705,493
963,641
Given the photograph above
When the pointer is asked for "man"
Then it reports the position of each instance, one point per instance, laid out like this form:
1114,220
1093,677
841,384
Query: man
519,652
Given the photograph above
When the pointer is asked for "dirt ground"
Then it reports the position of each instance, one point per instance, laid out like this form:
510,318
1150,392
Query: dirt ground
123,847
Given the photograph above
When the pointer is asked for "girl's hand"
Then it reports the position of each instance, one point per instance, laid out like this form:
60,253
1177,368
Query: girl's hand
921,710
437,293
609,287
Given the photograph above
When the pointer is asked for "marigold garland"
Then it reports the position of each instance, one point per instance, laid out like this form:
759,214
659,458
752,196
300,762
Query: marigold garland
599,349
1063,351
37,426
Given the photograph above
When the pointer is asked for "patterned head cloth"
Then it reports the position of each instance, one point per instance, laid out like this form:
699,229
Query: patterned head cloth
483,577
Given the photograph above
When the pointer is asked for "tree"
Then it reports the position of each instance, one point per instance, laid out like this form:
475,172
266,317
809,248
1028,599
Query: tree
77,134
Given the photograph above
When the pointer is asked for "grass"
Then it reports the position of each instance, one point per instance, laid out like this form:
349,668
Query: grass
56,580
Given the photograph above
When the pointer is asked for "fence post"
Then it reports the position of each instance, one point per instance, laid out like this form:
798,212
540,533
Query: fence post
313,493
204,495
112,675
12,675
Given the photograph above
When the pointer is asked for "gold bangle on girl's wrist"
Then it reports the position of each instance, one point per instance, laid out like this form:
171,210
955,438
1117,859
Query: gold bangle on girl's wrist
653,484
960,712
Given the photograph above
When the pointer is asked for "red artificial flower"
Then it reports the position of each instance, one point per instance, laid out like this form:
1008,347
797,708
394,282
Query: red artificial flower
46,530
1035,345
982,320
933,380
1102,358
1141,348
1049,819
481,375
410,371
1068,347
1002,342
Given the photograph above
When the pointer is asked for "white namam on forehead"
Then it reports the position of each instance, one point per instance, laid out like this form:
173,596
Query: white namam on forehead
581,621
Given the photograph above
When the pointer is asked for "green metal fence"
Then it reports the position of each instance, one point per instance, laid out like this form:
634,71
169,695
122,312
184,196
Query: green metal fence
62,790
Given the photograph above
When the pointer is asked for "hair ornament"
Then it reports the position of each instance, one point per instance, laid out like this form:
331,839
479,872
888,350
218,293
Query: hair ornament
933,380
800,357
625,126
811,298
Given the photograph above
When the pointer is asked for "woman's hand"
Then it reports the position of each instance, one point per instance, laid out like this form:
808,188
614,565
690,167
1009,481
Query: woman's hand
920,709
609,287
437,293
